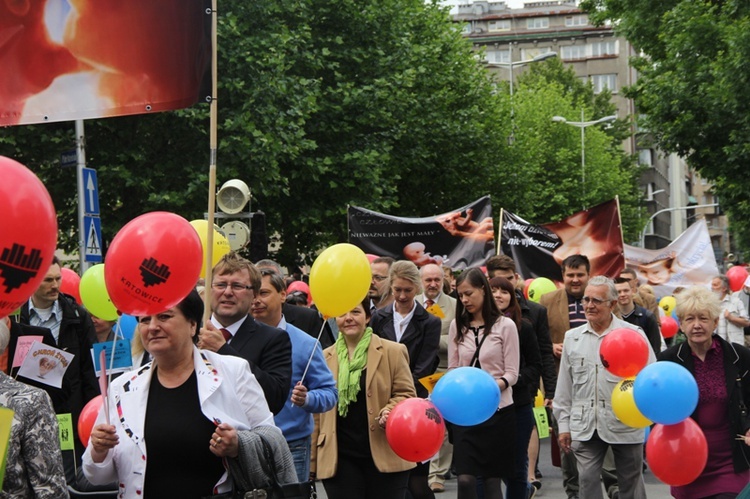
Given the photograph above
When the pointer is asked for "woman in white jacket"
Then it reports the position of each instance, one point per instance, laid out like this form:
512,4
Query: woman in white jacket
174,420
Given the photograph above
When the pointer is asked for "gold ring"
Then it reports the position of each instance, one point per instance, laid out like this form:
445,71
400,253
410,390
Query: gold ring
218,440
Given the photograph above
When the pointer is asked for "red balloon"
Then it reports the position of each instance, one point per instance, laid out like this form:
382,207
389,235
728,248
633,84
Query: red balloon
669,327
624,352
737,276
88,417
152,263
28,237
371,257
677,453
300,286
526,285
70,283
415,429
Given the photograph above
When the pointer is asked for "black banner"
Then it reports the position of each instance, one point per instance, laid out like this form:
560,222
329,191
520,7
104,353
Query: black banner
461,238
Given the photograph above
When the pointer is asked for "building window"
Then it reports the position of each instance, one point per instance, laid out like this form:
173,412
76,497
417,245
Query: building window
530,53
599,49
573,52
644,157
498,56
466,29
572,21
503,25
537,23
602,82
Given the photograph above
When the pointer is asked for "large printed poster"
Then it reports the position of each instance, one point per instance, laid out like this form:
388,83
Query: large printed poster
461,238
76,59
688,260
538,250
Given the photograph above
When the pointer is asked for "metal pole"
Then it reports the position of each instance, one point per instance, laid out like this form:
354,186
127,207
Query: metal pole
664,210
80,165
583,161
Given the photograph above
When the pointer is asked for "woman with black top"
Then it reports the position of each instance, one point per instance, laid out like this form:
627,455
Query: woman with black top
480,336
518,487
175,420
351,454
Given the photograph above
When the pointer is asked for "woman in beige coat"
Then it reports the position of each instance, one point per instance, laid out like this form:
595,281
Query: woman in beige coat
352,456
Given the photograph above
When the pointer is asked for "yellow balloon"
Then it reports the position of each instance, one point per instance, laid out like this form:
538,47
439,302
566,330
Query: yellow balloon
339,279
220,246
94,295
623,405
668,303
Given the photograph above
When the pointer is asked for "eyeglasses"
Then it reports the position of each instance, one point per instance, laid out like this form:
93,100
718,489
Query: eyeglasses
379,278
595,301
236,286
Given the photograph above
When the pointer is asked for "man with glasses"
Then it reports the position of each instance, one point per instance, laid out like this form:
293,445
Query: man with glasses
564,312
232,331
587,425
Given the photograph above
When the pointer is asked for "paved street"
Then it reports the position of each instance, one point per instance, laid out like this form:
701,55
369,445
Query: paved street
552,482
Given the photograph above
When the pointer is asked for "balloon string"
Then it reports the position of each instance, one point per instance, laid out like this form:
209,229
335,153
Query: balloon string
317,342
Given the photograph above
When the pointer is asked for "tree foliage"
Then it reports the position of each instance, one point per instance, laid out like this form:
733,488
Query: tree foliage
323,104
692,87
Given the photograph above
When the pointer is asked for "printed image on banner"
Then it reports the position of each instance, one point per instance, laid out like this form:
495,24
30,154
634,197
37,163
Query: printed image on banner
687,261
66,60
539,250
461,238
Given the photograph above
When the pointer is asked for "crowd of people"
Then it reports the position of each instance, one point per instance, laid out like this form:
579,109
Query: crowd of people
206,400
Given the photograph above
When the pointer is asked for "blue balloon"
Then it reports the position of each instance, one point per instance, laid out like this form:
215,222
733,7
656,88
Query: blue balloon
665,392
127,325
466,396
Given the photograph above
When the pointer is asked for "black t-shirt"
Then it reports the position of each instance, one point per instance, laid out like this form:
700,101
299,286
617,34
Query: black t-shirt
177,436
354,429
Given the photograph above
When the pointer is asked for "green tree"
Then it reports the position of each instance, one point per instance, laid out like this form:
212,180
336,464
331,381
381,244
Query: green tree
692,85
550,152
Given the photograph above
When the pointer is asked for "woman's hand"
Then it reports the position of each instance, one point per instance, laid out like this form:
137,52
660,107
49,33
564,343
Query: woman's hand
224,441
747,438
103,438
299,395
383,419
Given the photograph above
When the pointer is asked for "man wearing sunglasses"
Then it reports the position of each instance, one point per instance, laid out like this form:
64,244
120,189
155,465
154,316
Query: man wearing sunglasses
587,425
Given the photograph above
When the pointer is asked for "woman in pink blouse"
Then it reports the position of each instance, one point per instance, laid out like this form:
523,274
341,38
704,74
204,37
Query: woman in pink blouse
482,337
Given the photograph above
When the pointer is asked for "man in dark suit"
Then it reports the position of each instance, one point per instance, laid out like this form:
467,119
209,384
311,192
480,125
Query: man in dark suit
232,331
307,319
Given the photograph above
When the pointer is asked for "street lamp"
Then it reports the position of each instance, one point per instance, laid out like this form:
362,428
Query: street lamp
676,208
582,125
510,65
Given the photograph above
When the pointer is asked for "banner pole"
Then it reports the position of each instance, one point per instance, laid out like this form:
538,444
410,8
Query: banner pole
214,118
499,231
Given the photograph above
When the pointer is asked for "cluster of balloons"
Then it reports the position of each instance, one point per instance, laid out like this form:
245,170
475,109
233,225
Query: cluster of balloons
664,393
465,396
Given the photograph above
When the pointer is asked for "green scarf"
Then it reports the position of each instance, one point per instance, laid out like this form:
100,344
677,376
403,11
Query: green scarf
350,372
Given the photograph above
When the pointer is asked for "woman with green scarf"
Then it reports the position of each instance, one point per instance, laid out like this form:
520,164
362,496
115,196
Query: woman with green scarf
351,454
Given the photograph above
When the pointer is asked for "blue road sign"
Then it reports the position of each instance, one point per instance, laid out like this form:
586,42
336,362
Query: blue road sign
69,158
91,192
93,239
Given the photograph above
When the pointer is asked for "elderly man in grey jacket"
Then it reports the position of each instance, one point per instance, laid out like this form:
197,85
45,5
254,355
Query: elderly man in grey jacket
583,407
